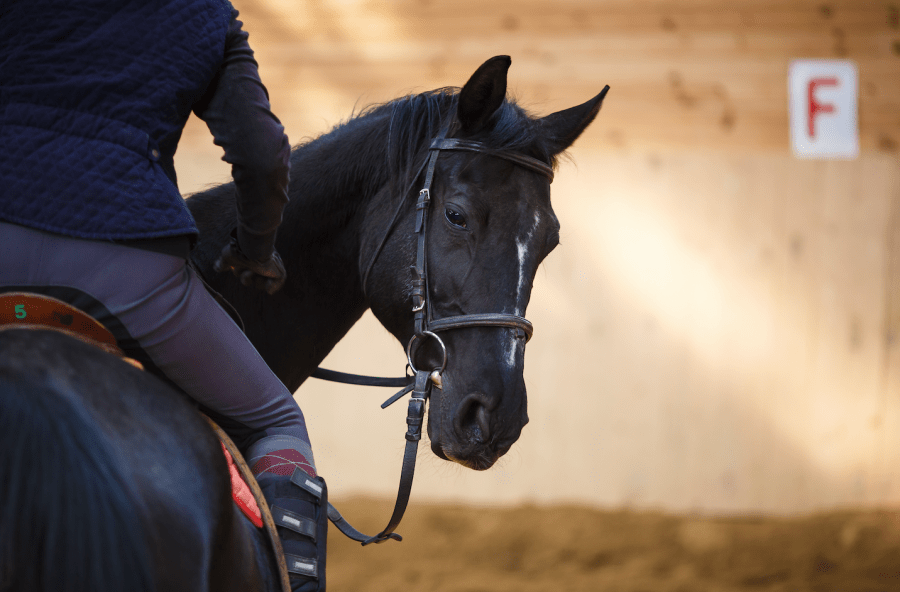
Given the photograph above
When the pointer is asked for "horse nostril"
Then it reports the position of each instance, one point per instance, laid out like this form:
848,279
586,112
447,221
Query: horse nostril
483,422
473,412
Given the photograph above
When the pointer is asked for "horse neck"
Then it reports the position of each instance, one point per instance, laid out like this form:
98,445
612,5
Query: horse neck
334,181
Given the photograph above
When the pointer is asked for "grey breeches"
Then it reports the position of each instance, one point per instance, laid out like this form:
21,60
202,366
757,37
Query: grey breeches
162,314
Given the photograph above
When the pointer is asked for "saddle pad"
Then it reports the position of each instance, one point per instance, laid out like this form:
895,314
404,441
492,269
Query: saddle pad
241,493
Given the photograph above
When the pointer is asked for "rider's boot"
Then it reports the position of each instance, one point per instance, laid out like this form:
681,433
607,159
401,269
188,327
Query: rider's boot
298,500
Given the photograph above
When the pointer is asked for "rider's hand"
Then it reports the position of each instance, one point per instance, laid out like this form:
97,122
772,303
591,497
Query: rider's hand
266,275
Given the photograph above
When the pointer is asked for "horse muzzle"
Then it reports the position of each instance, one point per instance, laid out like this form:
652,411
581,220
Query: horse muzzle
476,432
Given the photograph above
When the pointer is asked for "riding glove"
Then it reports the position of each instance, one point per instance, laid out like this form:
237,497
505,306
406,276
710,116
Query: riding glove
266,275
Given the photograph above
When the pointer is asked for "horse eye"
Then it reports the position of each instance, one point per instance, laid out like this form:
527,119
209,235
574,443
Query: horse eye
455,218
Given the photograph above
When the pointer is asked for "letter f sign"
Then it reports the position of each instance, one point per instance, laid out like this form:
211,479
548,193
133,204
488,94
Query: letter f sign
823,97
815,107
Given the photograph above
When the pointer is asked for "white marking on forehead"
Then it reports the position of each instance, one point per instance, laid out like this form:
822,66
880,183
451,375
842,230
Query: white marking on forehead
523,244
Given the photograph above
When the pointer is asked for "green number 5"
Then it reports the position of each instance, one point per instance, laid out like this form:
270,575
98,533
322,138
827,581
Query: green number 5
20,311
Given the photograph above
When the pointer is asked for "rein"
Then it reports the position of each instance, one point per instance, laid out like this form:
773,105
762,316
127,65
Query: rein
426,326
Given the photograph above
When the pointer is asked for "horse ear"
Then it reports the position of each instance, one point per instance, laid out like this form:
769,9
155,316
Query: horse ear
483,94
564,127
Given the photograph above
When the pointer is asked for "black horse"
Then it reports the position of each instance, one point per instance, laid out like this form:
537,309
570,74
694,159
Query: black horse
491,227
99,452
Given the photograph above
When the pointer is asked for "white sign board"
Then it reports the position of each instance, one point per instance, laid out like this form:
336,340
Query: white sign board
823,97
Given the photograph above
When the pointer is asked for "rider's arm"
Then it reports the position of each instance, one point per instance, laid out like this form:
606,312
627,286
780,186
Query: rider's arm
236,109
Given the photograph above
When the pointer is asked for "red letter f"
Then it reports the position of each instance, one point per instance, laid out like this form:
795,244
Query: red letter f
814,106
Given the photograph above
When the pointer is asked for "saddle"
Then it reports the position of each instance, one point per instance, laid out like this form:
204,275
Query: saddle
24,310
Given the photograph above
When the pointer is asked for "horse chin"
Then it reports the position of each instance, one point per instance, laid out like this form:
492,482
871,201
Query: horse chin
474,456
480,461
438,451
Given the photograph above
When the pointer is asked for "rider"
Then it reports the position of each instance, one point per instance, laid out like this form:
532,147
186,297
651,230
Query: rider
94,99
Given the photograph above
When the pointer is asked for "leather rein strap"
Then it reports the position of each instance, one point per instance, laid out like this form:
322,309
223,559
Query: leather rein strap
426,326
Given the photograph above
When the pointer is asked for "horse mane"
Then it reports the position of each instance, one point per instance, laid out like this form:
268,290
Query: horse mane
415,119
379,144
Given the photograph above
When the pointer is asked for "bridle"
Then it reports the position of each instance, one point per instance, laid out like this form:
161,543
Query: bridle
426,326
424,321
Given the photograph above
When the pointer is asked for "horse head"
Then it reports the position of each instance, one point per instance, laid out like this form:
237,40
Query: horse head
489,226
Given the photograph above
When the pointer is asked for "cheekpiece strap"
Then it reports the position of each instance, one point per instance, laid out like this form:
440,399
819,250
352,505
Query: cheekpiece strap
420,290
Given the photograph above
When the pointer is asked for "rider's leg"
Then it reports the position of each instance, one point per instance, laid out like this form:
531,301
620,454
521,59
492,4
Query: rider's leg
162,306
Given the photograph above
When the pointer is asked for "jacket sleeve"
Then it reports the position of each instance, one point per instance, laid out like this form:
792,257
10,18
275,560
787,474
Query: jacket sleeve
236,109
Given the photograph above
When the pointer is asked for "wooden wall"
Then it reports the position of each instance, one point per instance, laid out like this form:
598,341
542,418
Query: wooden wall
720,329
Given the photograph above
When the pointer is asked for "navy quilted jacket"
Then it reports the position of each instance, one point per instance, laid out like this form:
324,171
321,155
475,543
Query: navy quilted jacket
94,95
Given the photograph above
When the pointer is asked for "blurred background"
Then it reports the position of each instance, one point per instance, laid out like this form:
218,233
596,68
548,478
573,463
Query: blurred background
714,382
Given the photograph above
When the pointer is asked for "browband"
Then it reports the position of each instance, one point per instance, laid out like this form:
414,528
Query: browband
470,146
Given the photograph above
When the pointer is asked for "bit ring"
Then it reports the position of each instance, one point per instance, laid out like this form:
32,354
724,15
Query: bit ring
410,351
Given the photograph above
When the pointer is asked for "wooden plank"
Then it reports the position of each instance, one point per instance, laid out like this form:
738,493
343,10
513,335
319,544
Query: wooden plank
887,418
683,74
